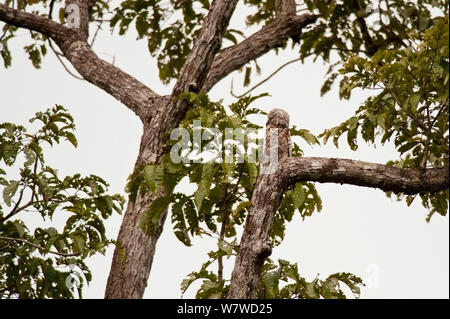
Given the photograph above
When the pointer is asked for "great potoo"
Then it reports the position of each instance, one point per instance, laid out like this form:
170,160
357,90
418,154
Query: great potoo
279,120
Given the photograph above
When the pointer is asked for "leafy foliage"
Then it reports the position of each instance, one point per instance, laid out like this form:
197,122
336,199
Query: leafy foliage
397,47
411,107
277,282
297,287
212,287
223,195
169,28
224,188
363,27
42,262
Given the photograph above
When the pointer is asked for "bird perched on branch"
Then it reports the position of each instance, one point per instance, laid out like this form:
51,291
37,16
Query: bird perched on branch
279,119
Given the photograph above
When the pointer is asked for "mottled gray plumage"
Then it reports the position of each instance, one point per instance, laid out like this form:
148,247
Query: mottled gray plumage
279,119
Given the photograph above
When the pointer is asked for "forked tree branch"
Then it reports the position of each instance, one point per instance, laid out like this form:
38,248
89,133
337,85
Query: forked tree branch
198,63
132,261
274,35
266,198
125,88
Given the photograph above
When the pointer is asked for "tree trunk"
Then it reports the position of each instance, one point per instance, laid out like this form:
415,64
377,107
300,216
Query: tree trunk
255,243
204,67
133,256
281,171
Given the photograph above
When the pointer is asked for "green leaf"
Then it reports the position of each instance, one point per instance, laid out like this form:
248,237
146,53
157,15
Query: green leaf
149,176
150,217
414,101
305,134
30,156
269,283
298,196
241,207
248,72
71,138
204,185
179,222
311,290
79,243
9,191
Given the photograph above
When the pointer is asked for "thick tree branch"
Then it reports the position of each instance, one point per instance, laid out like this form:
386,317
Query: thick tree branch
269,37
33,22
255,242
133,259
206,45
344,171
125,88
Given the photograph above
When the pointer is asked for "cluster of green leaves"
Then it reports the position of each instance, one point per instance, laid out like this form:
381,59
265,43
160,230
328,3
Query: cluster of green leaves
169,39
220,185
350,27
212,286
411,106
35,50
35,262
169,27
297,287
363,27
264,13
223,192
277,282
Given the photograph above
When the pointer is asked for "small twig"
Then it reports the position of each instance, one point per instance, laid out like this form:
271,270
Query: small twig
4,32
6,246
222,235
15,209
426,150
99,26
427,143
439,112
38,247
58,56
51,9
263,81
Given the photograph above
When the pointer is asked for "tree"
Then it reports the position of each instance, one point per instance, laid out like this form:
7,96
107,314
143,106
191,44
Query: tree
190,52
40,261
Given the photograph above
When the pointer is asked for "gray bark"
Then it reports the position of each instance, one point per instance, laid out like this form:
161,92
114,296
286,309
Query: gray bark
255,246
159,114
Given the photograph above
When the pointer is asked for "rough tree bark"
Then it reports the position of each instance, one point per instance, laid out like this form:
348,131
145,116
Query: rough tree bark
128,276
255,247
204,67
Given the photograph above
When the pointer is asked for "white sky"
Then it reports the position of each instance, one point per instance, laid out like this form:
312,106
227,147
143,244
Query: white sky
359,230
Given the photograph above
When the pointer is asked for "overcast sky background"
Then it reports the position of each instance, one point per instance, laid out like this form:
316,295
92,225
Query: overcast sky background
359,230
